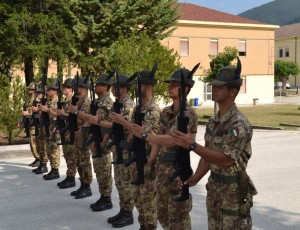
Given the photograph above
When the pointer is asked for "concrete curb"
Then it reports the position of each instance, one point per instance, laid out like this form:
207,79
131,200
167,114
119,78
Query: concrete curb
5,148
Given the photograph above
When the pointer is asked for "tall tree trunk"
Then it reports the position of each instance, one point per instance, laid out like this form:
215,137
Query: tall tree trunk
44,67
28,69
60,70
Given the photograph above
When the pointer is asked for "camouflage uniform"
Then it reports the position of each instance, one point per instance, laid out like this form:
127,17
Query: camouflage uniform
53,151
230,134
82,152
172,214
32,138
102,165
145,194
69,150
123,174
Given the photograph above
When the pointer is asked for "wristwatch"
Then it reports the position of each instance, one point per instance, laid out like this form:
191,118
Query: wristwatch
192,146
144,135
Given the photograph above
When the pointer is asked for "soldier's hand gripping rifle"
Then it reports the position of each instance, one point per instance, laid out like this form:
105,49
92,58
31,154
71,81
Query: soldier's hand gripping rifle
72,118
117,132
138,144
45,115
60,120
26,118
95,130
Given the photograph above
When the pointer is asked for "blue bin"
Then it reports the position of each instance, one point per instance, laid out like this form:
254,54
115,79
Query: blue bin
196,103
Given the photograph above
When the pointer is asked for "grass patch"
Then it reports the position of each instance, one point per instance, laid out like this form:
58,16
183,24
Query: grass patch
264,115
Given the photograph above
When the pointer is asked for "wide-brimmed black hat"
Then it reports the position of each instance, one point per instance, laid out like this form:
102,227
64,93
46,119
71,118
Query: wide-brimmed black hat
187,74
148,77
69,82
104,78
123,80
229,76
84,82
52,85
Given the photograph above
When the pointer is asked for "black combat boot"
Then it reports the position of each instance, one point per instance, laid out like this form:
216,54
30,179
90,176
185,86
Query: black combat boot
35,163
112,219
125,219
41,169
76,192
142,227
103,204
53,174
84,192
68,182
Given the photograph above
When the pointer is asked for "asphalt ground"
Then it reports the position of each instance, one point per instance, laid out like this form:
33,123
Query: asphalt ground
28,202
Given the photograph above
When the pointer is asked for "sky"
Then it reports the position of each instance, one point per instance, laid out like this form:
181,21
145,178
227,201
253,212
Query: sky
228,6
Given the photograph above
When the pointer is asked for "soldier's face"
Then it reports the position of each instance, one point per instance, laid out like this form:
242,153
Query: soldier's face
82,92
66,90
30,91
220,93
173,89
100,88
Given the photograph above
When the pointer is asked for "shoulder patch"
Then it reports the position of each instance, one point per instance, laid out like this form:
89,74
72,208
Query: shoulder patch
148,114
234,132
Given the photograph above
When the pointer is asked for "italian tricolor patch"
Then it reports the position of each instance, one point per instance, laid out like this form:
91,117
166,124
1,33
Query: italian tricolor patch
234,132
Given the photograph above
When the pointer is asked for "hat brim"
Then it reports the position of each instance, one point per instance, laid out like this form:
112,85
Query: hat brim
146,81
237,82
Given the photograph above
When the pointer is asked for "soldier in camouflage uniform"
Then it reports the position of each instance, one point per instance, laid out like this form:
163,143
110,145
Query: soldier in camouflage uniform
171,214
32,138
226,153
52,149
82,151
145,195
41,139
68,150
102,165
123,174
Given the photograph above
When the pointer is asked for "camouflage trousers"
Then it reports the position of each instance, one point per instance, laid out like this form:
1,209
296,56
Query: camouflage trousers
123,178
221,202
71,159
33,145
83,154
53,150
172,215
41,146
145,197
102,169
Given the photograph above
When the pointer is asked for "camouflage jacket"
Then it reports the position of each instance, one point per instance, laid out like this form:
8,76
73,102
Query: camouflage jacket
84,107
67,102
52,105
104,107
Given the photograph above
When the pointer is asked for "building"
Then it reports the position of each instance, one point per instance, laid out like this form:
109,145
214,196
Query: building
201,32
287,47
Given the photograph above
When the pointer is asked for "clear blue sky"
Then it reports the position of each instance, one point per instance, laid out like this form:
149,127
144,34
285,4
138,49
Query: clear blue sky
228,6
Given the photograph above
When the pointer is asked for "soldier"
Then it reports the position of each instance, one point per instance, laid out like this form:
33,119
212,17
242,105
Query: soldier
145,194
102,165
40,137
32,138
171,214
226,153
82,152
122,174
52,149
68,150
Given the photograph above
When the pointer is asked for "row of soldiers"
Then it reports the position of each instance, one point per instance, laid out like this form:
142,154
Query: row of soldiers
153,194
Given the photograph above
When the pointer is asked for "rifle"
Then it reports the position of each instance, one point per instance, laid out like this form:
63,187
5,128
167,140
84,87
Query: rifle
45,115
35,115
95,130
138,144
183,162
25,119
72,118
60,121
117,132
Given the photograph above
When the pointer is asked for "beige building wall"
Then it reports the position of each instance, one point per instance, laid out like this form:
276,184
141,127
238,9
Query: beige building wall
293,44
257,65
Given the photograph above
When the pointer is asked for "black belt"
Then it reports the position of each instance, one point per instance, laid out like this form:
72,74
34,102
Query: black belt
224,179
168,157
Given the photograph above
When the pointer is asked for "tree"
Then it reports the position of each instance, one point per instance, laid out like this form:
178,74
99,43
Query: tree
140,52
219,61
283,69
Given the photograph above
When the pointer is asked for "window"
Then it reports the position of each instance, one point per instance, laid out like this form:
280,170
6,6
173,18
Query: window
281,52
184,47
286,51
242,48
243,87
213,48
